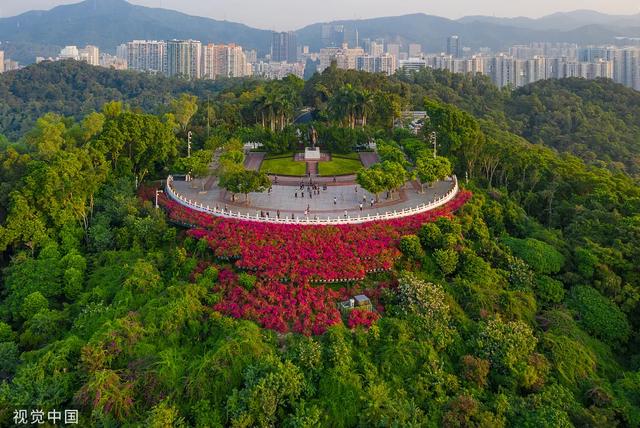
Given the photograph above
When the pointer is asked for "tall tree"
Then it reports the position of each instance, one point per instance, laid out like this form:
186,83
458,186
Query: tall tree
429,169
183,109
245,182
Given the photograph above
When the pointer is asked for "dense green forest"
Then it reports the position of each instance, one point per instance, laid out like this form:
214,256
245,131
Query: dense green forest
597,121
73,89
522,310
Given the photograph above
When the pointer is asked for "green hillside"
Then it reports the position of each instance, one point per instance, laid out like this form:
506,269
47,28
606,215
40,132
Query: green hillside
518,308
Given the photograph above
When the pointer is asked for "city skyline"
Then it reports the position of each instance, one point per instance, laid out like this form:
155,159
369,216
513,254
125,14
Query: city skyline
261,14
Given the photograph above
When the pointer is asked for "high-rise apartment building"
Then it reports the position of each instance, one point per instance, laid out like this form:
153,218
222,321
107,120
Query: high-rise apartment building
394,49
284,47
225,61
412,64
111,61
11,65
376,49
69,52
627,67
556,50
89,54
344,57
332,35
121,51
146,55
1,61
415,50
625,62
278,70
502,70
454,47
184,59
384,63
251,56
525,51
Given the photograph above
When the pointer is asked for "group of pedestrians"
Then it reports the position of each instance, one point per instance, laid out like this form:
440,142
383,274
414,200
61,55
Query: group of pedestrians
311,189
265,214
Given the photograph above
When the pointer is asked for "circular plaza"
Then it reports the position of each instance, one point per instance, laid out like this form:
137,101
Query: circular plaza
313,196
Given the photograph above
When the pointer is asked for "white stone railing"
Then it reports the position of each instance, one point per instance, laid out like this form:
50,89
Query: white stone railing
389,215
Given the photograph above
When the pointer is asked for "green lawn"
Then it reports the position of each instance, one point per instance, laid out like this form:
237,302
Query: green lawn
354,155
284,166
288,155
338,166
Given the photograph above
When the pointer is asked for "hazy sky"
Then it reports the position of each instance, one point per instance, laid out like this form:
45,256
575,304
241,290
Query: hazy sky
292,14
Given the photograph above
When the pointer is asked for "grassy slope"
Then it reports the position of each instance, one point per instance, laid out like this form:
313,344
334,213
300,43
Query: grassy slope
283,166
339,166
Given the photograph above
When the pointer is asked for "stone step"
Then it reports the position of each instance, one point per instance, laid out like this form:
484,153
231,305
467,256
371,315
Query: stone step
312,168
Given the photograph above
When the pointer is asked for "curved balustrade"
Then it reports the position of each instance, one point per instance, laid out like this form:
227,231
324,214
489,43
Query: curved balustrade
171,192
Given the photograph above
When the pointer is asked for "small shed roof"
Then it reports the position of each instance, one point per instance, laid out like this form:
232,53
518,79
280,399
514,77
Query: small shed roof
361,298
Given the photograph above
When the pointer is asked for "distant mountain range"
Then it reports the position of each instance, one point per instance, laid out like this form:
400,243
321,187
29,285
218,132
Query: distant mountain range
107,23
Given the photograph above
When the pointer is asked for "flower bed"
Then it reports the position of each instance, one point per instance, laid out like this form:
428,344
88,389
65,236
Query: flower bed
299,255
305,253
302,253
303,309
362,318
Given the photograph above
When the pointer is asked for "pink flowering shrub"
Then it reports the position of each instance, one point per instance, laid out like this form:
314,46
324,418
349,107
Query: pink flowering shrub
305,253
299,255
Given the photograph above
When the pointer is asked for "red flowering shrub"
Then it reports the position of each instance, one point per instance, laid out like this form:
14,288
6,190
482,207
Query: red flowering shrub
303,309
299,255
361,317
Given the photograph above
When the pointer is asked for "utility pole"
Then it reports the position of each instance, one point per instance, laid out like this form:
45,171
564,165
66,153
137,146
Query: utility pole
433,138
189,144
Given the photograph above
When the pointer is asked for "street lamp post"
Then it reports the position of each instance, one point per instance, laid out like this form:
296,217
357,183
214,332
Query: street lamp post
158,191
433,138
189,144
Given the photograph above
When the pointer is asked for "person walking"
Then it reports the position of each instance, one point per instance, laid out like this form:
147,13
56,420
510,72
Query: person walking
345,213
372,202
335,200
361,207
278,214
296,194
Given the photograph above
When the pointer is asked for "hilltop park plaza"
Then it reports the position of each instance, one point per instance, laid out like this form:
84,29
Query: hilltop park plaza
311,196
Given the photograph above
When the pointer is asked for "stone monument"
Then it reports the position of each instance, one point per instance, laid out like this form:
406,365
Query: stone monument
312,153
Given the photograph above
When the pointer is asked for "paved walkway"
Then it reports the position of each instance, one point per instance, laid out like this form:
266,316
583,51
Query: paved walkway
341,195
289,199
369,158
253,160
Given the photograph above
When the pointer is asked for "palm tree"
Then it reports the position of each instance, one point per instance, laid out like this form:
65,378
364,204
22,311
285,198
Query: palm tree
344,105
365,105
